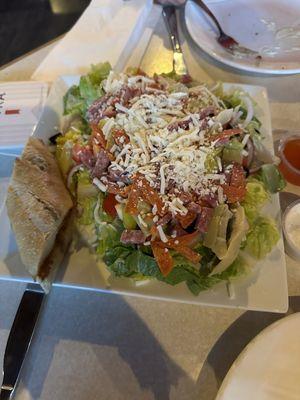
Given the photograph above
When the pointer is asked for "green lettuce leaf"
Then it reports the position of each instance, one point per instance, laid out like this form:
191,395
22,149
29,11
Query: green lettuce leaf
73,102
272,178
255,198
79,97
99,72
233,151
87,206
262,237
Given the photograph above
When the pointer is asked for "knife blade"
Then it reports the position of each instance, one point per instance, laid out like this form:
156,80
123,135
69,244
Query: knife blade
20,337
169,15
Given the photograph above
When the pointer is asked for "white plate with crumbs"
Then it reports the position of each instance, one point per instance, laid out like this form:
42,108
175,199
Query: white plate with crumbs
269,27
264,289
268,368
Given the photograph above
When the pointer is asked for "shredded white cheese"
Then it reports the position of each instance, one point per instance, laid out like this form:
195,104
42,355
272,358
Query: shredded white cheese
161,233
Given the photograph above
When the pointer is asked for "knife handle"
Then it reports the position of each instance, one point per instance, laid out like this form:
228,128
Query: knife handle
5,393
20,337
169,14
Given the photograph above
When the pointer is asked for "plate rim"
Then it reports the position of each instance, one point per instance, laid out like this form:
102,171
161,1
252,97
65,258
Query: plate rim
232,63
230,374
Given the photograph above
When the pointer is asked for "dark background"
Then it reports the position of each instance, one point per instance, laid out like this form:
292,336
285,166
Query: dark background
28,24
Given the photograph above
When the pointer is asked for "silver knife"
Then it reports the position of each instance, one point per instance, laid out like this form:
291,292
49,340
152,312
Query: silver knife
179,65
20,337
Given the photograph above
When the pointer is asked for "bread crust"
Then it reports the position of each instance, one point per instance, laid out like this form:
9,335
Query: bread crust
37,204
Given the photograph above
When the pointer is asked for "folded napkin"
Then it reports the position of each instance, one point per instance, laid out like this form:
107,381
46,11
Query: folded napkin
108,30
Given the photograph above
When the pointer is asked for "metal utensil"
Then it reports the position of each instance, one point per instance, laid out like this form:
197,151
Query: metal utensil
179,65
20,337
223,39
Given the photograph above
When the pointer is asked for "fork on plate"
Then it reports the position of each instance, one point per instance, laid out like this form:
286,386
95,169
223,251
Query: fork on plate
226,41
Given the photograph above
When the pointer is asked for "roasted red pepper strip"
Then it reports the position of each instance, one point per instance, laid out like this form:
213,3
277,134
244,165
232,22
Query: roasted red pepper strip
98,136
225,134
133,198
181,244
234,194
120,137
149,194
163,258
237,176
186,220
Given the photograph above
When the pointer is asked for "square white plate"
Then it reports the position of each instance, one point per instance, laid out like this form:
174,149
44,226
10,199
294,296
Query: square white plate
264,289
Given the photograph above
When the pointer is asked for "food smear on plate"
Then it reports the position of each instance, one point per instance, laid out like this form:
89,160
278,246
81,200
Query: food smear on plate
169,179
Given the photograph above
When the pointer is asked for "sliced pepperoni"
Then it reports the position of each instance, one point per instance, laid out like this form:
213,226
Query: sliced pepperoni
204,219
101,165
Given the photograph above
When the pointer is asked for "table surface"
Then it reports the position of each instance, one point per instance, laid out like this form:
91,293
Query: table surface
103,346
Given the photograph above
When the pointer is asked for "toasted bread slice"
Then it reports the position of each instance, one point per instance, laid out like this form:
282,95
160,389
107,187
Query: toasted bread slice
37,203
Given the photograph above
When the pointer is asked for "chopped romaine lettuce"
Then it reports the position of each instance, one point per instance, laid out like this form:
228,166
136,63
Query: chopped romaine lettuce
86,207
79,98
272,178
85,187
262,237
256,197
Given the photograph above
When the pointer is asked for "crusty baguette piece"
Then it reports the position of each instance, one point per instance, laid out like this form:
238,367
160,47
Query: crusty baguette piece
47,269
37,204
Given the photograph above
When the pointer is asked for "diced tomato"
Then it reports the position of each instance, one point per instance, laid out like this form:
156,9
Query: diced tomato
83,155
186,220
98,136
163,258
109,205
120,137
237,176
225,134
233,193
76,151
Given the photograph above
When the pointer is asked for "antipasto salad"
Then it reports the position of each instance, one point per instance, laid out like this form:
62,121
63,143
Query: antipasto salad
169,176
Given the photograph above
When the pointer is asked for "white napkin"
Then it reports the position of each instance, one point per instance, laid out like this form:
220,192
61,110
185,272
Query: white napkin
108,30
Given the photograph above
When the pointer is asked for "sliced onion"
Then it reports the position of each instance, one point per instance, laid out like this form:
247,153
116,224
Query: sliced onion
250,111
224,116
73,171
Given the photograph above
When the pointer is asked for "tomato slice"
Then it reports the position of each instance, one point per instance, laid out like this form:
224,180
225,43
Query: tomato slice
98,136
237,176
120,137
186,220
163,258
109,205
233,193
